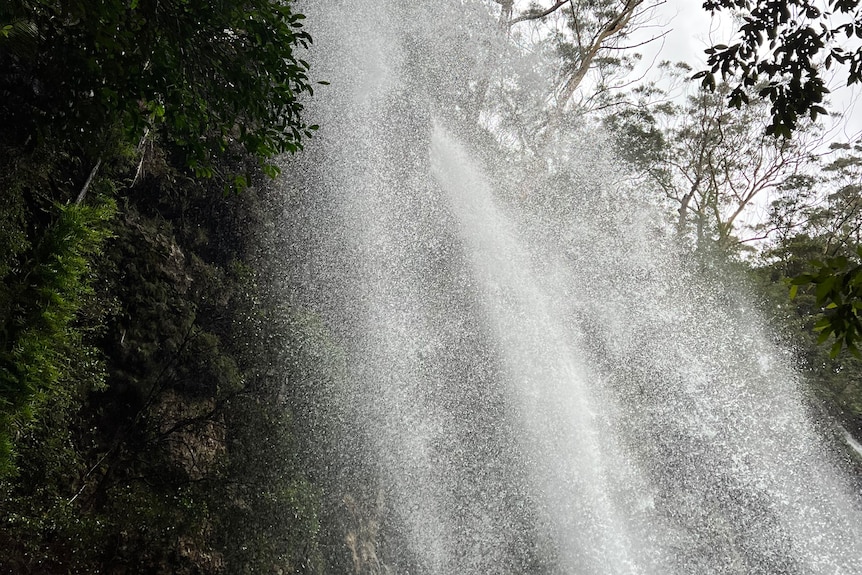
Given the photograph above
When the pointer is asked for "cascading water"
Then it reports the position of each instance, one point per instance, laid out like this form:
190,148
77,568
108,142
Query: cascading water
534,375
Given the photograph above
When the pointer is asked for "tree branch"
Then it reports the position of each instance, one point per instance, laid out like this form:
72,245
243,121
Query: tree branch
537,15
83,191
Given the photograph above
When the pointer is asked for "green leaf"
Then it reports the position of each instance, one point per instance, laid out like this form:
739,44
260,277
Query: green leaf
822,323
271,170
824,288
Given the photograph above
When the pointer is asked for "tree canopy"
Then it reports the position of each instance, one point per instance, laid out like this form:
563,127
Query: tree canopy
205,73
785,48
787,45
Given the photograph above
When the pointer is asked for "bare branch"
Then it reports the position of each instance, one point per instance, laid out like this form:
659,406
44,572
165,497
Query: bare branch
638,45
92,175
537,15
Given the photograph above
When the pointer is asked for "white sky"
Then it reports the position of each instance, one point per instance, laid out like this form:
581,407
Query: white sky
690,31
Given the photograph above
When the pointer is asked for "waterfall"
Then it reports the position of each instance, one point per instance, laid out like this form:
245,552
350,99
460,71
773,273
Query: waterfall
536,378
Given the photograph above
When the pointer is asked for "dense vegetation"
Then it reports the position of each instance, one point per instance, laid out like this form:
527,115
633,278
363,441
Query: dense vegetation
142,378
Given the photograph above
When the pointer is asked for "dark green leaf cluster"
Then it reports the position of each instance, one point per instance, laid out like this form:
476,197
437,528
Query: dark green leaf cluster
837,286
800,37
204,74
833,380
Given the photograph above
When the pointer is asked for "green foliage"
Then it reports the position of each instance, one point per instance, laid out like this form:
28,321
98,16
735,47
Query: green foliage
130,392
269,511
819,216
799,34
639,140
837,286
41,343
204,74
834,379
185,460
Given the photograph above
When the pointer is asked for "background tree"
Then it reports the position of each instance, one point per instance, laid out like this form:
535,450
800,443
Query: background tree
804,40
586,38
585,31
827,229
713,162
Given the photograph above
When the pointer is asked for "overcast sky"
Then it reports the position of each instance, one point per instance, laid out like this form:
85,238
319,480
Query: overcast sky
689,30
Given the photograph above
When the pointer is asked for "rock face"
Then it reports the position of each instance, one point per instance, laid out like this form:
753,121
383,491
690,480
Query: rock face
194,431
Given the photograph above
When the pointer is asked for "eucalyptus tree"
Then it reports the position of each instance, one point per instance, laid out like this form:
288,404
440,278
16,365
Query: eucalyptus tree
589,43
825,205
844,173
587,30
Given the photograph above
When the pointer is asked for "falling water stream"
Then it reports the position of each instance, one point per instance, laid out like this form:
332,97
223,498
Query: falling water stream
539,379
